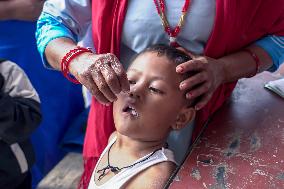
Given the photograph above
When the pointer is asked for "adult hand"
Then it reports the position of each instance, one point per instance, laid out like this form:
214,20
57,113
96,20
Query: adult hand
208,75
28,10
103,75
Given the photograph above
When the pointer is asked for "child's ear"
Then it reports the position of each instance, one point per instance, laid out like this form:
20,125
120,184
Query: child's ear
185,116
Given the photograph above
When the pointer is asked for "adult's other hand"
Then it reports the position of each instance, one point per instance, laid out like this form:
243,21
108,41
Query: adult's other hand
208,75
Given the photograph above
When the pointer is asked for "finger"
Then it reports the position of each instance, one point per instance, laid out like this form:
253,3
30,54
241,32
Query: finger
120,72
103,86
110,78
192,65
203,101
198,91
89,83
194,80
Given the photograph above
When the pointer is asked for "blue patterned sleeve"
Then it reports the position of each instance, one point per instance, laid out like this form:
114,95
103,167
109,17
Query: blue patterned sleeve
274,46
70,19
48,29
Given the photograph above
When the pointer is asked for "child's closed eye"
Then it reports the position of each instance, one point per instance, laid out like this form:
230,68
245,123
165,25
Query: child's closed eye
155,90
131,82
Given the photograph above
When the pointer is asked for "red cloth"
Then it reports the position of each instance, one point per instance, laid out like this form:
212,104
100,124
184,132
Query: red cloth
237,24
107,21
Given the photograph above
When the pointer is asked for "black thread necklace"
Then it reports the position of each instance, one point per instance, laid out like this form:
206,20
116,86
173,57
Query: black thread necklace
117,169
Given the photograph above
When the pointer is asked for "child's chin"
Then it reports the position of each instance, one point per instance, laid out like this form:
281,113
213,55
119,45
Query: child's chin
126,133
126,128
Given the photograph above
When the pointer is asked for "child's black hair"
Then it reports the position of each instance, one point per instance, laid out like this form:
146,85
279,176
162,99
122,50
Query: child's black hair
173,54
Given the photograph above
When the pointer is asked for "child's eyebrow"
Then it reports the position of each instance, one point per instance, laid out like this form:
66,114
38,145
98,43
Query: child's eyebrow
137,72
134,70
158,78
154,77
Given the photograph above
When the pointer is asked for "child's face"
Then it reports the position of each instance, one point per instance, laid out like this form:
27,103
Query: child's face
151,108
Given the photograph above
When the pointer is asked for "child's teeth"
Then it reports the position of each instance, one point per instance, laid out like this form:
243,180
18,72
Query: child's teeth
133,112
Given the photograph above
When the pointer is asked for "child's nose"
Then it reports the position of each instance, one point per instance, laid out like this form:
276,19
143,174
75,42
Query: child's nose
135,91
134,94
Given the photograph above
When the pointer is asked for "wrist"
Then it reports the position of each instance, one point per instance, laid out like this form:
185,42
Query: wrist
68,58
223,74
256,61
80,63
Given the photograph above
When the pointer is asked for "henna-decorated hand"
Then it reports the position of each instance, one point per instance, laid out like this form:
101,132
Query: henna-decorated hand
103,75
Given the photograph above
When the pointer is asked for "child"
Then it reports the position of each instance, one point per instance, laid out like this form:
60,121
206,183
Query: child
136,156
19,117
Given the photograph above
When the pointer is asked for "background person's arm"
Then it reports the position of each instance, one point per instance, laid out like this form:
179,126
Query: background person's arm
27,10
4,9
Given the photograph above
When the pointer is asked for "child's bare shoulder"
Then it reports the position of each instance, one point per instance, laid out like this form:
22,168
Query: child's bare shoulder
154,177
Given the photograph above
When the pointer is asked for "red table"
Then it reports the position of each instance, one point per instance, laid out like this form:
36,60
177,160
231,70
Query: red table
243,144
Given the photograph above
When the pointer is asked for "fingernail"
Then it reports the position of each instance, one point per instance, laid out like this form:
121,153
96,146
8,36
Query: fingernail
179,69
181,86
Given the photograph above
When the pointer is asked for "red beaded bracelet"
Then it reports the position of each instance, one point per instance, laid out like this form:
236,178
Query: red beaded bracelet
256,60
68,58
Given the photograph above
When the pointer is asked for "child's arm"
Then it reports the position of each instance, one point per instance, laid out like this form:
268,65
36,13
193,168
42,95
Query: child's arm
19,104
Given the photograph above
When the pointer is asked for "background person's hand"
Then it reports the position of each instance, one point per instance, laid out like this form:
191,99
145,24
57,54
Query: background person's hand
208,75
28,10
103,75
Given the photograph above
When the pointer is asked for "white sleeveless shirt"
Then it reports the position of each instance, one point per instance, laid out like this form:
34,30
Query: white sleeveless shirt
118,180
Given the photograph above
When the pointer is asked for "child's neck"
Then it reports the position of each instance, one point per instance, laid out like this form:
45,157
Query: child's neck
136,147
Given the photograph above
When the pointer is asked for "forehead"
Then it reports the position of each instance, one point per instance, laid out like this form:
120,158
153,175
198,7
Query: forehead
152,64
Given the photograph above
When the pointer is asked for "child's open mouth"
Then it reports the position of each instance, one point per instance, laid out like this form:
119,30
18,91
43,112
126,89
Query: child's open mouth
130,110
